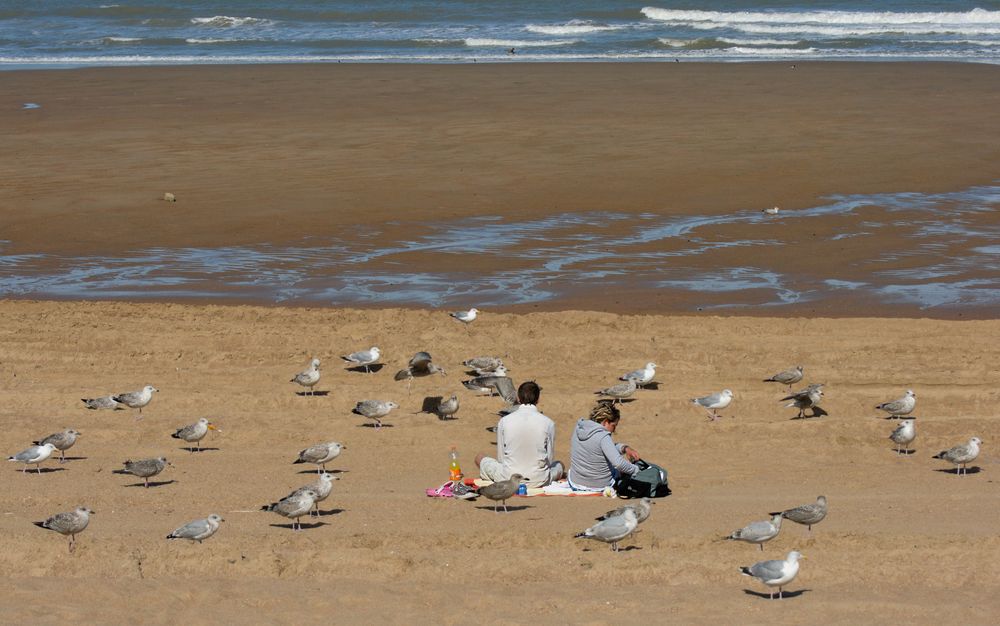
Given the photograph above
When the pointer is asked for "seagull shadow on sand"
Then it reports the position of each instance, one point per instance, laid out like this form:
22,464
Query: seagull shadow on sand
653,386
329,471
784,594
975,469
371,425
76,458
311,394
303,525
196,449
331,512
620,549
158,483
816,412
374,367
44,470
510,508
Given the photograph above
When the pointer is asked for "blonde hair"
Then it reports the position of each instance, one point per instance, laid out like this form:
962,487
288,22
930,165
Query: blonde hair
605,410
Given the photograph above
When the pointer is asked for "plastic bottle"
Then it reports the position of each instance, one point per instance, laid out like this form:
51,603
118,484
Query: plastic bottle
455,469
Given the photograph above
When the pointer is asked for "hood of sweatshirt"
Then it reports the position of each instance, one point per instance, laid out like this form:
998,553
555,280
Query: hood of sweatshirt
587,429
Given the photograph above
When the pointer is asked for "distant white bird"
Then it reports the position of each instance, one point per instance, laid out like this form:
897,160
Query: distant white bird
641,377
620,391
320,454
68,524
374,410
62,441
194,433
198,530
294,506
901,406
714,402
962,454
466,317
775,573
105,402
770,210
364,358
758,532
308,377
787,377
613,529
903,435
136,399
34,455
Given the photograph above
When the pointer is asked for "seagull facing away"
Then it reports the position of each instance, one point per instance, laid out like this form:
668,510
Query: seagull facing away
620,391
807,514
807,398
194,433
364,358
962,454
642,508
198,530
104,402
775,573
34,455
788,377
758,532
501,491
145,469
712,403
136,399
308,377
901,406
62,441
293,507
641,377
323,486
68,524
903,435
374,410
320,454
613,529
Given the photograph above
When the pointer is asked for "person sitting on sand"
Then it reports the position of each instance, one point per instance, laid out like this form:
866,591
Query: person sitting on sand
525,444
595,460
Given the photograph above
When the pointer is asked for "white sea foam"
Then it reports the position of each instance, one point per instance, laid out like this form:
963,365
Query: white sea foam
772,52
845,31
121,39
972,17
573,27
517,43
228,22
208,41
761,42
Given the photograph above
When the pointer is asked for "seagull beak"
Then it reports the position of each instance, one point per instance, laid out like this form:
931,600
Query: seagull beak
212,427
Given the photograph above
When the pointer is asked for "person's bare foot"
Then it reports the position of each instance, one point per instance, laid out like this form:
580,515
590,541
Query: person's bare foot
479,458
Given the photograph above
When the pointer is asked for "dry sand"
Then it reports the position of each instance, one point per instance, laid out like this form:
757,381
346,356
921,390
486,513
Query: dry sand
903,541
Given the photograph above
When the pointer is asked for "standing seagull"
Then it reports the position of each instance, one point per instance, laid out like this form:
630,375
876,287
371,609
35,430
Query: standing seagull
320,454
446,409
788,377
308,377
62,441
807,398
901,406
194,433
374,410
775,573
962,454
501,490
619,391
807,514
642,377
136,399
198,530
758,532
104,402
420,365
293,507
144,469
613,529
466,317
34,455
323,486
712,403
68,524
903,435
364,358
642,508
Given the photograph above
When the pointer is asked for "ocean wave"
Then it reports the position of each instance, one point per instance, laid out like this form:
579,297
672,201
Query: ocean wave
761,42
120,39
708,43
573,27
517,43
225,21
974,16
845,31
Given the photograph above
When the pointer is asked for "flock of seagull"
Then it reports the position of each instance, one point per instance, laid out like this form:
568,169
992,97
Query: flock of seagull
491,377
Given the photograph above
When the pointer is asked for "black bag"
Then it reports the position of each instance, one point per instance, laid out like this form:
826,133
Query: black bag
650,482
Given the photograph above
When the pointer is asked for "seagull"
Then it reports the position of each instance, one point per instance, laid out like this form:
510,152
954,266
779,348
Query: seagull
294,506
770,211
641,377
714,402
105,402
903,435
484,365
807,398
323,486
446,409
72,523
34,455
62,441
613,529
775,573
788,377
136,399
619,391
807,514
364,358
308,377
490,384
466,317
375,410
420,365
320,454
198,530
901,406
962,454
758,532
194,433
641,509
501,491
144,469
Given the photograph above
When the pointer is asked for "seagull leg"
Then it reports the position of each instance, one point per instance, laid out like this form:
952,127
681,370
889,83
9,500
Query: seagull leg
505,507
62,456
38,467
780,596
146,480
72,543
761,546
24,469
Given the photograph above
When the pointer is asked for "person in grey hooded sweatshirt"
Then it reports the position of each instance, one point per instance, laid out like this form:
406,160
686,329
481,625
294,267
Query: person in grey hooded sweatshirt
595,460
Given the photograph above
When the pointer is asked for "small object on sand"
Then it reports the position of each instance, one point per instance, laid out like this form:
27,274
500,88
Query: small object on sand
613,529
501,490
62,441
775,573
293,507
374,410
642,377
145,468
194,433
27,106
619,391
364,358
136,399
712,403
308,377
758,532
962,455
807,398
903,435
320,454
770,211
198,530
807,514
642,508
169,197
68,524
788,377
322,486
34,455
901,406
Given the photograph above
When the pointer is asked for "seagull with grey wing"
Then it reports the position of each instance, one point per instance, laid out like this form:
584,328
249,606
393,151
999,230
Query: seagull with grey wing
642,377
758,532
34,455
642,508
308,377
194,433
487,383
775,573
68,524
620,391
466,317
787,377
807,514
136,399
807,398
198,530
374,410
900,406
364,358
446,409
322,487
501,491
613,529
104,402
145,468
62,441
320,454
293,507
714,402
420,365
961,455
903,435
483,365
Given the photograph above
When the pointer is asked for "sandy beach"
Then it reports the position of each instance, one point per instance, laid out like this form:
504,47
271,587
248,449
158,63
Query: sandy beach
903,538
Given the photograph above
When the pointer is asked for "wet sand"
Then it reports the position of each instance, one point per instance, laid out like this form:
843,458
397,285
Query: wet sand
904,540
